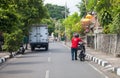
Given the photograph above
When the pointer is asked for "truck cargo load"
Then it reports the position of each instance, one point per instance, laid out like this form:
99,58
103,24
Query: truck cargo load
38,36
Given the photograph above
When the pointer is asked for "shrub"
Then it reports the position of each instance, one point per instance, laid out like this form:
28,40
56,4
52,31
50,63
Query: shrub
13,41
115,26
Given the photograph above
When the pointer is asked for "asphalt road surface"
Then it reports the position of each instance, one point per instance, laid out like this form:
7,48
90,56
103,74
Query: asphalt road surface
54,63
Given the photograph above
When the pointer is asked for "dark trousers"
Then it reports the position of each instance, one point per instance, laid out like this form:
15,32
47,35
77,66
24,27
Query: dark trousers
74,53
26,46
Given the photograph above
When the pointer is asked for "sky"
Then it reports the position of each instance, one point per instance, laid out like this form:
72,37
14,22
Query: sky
71,4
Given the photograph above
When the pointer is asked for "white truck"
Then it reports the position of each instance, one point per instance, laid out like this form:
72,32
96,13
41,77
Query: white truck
38,36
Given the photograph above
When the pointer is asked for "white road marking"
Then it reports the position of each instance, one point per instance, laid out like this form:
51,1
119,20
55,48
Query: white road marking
47,74
49,59
98,70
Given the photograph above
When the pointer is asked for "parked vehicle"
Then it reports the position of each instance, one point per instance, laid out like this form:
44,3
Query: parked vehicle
21,50
38,36
81,50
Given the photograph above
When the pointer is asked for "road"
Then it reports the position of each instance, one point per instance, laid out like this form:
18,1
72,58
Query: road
54,63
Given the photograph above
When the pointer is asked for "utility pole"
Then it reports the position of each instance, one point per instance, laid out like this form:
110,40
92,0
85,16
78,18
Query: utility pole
65,18
65,9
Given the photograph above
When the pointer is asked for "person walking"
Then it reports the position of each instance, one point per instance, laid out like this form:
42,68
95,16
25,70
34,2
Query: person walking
1,40
26,41
74,45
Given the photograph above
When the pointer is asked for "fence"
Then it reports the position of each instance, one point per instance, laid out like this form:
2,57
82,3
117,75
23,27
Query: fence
105,43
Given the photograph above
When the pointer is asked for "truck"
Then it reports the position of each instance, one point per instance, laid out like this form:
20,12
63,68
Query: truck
38,36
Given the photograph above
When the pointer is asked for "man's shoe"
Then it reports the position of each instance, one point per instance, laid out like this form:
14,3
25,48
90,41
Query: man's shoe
72,59
76,59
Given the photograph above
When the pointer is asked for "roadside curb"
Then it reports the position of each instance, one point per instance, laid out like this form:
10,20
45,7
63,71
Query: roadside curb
5,58
104,64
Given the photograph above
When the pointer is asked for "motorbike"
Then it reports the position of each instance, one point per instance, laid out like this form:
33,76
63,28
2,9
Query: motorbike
21,49
81,50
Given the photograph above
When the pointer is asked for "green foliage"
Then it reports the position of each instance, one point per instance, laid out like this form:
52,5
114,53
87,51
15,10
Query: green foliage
90,5
106,30
82,9
56,12
103,8
16,17
103,5
16,13
13,41
79,28
109,9
106,13
115,7
72,24
115,25
31,11
8,21
106,18
50,23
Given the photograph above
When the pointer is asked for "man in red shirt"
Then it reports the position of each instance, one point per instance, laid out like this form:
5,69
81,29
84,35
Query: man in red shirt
74,45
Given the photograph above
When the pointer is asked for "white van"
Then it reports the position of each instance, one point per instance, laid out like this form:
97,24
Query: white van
38,36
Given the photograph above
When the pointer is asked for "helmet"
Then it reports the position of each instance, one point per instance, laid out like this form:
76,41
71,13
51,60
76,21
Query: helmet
76,35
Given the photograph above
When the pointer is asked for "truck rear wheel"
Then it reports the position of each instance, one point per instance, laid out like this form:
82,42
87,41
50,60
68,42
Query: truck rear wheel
46,48
32,48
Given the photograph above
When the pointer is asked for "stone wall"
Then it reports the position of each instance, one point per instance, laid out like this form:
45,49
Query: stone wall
105,43
118,45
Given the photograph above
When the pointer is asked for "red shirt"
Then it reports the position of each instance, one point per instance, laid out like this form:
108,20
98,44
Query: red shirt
75,42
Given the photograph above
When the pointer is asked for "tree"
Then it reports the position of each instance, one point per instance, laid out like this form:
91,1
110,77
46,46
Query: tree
82,8
13,41
103,5
21,13
115,25
50,23
90,5
79,29
108,9
16,17
9,18
32,11
57,12
115,7
72,25
106,12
